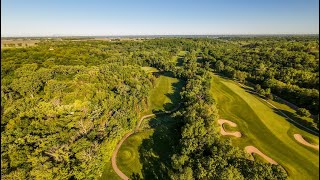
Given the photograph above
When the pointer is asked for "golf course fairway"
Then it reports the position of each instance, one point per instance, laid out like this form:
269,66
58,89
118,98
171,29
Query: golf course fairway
263,127
145,153
151,146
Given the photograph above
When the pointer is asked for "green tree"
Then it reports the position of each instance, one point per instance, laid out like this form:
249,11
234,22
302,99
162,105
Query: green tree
303,112
219,66
268,94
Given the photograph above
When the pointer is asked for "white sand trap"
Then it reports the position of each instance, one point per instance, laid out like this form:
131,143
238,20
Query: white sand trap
252,149
232,124
301,140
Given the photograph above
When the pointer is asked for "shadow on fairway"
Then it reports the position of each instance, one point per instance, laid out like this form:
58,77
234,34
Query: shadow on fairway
175,96
156,151
298,122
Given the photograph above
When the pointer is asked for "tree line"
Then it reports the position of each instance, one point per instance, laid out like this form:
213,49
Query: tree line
65,104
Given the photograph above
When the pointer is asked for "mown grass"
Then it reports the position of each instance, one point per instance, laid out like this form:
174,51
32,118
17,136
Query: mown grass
109,173
149,69
306,121
165,95
153,144
130,159
265,129
311,140
258,158
128,156
147,153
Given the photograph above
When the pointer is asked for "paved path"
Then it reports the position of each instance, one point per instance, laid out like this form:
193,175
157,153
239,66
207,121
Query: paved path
115,152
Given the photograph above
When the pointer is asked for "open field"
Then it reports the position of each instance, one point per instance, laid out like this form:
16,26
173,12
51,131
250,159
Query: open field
9,43
289,110
264,127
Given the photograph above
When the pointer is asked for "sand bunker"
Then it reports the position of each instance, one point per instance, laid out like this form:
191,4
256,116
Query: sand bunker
232,124
300,139
252,149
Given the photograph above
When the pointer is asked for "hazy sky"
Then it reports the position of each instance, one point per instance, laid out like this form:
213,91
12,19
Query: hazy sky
158,17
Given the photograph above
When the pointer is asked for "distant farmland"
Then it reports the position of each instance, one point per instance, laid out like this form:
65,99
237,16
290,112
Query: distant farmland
7,43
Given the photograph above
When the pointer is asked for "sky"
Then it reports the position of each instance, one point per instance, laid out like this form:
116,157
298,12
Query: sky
157,17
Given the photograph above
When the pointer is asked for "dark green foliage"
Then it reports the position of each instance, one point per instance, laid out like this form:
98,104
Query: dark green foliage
303,112
65,104
62,116
219,66
289,66
201,152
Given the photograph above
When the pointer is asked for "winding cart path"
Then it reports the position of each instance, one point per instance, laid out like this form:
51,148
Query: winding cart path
115,152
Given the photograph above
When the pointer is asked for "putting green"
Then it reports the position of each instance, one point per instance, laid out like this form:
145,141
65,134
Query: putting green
264,128
146,154
128,158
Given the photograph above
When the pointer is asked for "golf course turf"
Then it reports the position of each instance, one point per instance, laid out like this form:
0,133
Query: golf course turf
156,135
263,127
143,153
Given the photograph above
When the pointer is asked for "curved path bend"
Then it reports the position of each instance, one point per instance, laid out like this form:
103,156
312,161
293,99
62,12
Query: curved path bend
115,152
230,123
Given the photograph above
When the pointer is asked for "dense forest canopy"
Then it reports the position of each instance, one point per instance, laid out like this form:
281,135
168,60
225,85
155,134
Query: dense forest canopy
65,104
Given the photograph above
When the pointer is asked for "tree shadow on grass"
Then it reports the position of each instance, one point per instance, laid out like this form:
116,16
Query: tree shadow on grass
175,96
297,121
156,151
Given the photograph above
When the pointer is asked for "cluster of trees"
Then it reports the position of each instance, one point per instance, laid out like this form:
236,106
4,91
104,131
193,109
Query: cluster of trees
201,153
287,65
266,93
65,104
55,121
63,121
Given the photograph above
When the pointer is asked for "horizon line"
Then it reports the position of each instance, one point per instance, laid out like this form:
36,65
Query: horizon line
58,36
